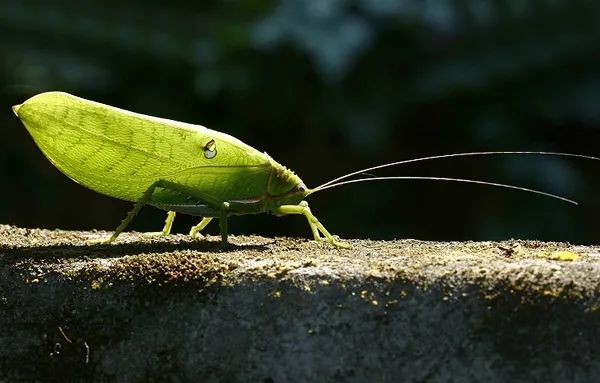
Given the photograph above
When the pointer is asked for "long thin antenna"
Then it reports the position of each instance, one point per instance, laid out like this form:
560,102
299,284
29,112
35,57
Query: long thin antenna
450,156
463,180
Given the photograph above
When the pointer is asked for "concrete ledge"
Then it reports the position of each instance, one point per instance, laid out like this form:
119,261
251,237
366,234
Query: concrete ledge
285,310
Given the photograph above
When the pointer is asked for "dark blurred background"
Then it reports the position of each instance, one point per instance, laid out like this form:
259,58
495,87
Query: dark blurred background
327,87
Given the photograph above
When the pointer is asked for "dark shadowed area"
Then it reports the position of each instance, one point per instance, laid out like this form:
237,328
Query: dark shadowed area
327,87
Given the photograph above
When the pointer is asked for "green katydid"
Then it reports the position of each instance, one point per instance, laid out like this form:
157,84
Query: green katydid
184,168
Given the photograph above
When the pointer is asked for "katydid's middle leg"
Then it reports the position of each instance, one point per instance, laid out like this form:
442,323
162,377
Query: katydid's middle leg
199,227
166,229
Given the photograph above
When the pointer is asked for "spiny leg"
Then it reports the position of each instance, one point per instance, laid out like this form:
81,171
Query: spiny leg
314,223
131,215
199,227
146,196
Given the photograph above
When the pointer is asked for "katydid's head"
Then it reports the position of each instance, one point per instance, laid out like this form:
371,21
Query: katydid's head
285,185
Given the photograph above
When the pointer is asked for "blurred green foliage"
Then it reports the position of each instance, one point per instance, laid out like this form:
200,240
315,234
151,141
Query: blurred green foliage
326,87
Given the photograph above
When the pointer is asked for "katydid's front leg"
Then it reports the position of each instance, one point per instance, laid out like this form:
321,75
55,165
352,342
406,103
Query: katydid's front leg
313,227
313,222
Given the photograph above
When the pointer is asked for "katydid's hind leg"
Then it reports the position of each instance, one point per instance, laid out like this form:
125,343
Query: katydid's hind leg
144,199
199,227
166,229
131,215
304,210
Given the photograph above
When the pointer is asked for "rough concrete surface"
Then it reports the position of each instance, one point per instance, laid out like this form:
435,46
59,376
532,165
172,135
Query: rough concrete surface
292,310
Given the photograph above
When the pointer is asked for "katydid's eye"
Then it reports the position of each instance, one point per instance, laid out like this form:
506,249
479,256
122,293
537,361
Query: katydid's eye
210,149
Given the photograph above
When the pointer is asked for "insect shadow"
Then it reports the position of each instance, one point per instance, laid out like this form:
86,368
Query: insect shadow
68,251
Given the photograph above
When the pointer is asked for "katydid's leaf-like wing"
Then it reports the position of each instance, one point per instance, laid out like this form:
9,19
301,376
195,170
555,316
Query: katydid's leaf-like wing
121,153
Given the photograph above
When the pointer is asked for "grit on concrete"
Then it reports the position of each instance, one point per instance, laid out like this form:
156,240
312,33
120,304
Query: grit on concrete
291,310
